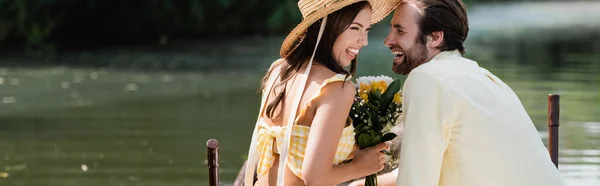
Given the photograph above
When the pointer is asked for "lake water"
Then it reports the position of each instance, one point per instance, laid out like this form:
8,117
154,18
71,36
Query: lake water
72,126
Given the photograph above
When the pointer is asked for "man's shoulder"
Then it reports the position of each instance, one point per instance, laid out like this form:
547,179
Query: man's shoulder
448,68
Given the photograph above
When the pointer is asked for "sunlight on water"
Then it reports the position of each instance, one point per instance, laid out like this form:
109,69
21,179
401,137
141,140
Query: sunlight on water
131,87
587,152
122,136
78,77
13,81
527,15
65,84
9,99
581,166
84,167
94,75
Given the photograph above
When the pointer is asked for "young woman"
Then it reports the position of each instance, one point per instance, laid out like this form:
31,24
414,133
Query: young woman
303,132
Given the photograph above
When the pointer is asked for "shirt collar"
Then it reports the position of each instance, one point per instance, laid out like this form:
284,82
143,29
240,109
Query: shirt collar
455,54
446,54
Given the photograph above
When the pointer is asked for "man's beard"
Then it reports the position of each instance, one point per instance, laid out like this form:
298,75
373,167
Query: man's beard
413,57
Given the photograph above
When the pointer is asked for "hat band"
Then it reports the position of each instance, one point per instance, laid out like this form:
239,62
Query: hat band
288,131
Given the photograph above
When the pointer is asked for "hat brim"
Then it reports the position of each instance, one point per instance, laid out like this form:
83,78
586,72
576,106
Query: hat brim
380,9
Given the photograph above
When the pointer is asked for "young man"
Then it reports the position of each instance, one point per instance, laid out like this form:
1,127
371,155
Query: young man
463,126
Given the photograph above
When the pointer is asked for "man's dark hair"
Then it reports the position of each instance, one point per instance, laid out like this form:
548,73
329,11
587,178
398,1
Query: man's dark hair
448,16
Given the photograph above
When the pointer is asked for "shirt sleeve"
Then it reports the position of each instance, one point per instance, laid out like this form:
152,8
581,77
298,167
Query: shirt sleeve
427,107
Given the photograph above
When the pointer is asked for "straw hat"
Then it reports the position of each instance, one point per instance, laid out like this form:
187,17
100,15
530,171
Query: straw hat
314,10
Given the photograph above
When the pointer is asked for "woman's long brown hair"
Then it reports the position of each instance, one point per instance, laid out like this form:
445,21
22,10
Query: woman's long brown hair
337,23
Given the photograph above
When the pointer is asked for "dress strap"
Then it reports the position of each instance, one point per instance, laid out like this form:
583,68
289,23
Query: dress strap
335,78
288,131
252,156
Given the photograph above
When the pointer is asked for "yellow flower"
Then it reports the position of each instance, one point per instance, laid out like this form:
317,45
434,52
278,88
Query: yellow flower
364,96
364,88
379,85
398,98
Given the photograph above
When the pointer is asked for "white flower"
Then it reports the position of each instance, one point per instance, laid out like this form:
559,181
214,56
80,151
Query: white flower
369,79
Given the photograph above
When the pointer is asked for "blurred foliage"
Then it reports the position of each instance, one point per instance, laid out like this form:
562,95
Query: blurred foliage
39,24
35,24
33,21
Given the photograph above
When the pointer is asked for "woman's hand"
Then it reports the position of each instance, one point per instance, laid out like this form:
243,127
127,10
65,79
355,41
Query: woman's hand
360,182
370,160
387,179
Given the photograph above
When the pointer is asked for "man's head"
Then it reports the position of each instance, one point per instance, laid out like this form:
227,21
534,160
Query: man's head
422,29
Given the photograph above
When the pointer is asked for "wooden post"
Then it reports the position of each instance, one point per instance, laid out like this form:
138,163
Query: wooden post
212,147
553,116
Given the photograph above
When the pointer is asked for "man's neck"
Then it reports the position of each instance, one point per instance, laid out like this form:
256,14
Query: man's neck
432,54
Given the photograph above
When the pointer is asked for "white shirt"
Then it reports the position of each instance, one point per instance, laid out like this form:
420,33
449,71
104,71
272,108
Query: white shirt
465,127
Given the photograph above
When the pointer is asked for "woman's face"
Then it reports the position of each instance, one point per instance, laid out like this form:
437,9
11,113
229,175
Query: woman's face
349,43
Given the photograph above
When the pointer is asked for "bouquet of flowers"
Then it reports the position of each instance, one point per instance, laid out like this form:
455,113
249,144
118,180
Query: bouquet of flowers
374,112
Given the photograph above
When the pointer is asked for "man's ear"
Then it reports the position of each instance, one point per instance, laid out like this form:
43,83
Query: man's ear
435,39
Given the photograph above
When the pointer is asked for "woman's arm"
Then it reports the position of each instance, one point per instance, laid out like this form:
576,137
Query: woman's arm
326,129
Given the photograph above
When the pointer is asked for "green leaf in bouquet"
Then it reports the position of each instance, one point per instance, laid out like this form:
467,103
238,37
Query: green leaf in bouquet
374,109
374,121
376,139
364,129
375,102
364,140
372,133
375,95
388,95
358,127
369,122
388,137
